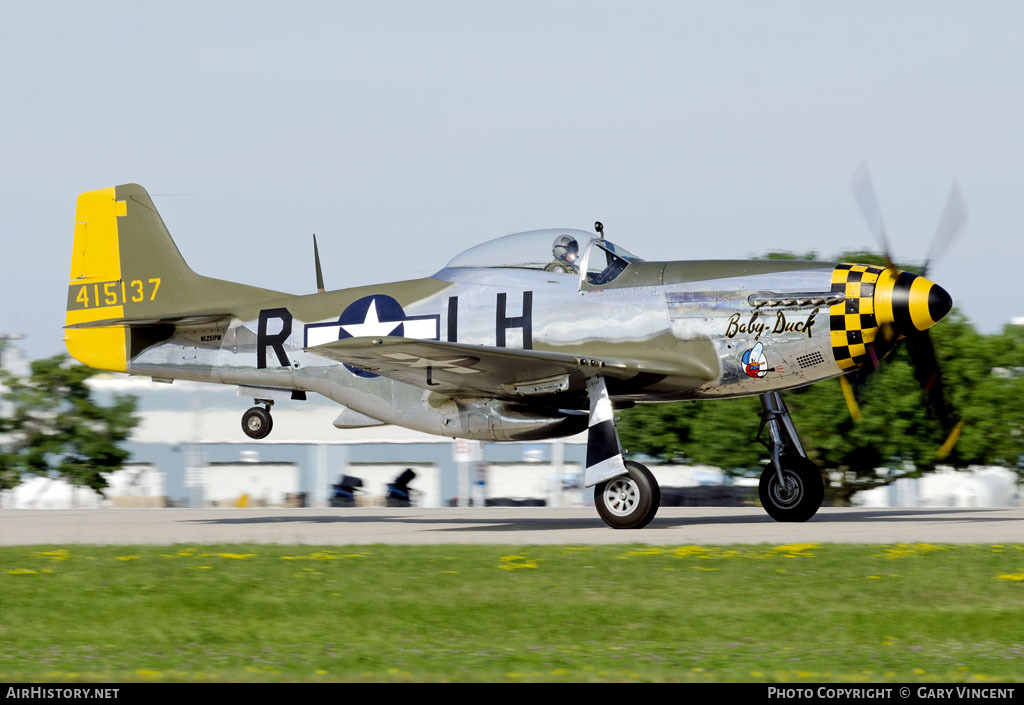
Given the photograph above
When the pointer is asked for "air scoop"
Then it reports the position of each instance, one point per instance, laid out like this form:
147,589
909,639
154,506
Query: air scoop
908,302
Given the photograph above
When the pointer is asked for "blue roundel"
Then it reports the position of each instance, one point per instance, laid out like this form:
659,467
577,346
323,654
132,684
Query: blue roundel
378,315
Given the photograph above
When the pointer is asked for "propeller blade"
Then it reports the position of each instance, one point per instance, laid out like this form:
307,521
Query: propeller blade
951,440
851,400
921,350
952,222
864,192
919,346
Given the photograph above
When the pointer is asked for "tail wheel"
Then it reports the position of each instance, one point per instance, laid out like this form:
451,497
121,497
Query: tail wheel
628,501
800,494
257,422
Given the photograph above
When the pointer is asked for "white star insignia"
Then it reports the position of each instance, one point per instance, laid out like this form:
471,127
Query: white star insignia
371,325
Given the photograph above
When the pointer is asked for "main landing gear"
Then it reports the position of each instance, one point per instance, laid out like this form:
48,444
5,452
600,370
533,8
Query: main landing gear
257,421
628,501
625,492
791,488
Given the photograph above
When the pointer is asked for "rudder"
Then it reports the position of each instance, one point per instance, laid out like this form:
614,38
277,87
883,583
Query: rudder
125,268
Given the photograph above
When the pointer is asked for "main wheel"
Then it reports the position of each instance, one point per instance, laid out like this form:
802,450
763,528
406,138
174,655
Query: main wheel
628,501
798,498
257,422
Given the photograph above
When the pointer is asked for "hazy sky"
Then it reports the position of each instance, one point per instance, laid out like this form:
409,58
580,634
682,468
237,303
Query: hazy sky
404,132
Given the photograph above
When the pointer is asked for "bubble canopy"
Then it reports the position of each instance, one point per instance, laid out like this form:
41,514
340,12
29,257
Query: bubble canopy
536,249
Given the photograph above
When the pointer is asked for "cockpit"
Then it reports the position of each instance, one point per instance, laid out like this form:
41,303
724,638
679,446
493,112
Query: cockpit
558,251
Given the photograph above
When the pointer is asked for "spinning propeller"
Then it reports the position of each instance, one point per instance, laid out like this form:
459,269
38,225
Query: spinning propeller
906,305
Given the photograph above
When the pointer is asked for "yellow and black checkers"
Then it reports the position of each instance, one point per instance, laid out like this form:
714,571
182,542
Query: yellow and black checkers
877,298
852,321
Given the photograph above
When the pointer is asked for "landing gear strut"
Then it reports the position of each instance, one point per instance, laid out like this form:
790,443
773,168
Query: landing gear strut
625,492
257,421
791,488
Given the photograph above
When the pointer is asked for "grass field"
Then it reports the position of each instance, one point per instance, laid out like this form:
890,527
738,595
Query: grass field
489,613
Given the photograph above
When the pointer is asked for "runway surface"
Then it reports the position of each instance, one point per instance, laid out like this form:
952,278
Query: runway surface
526,525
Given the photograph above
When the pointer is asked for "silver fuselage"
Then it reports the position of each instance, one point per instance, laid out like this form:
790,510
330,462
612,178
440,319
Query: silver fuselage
753,326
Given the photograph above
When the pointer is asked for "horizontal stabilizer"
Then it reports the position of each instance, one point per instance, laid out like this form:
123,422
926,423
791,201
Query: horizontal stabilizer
184,319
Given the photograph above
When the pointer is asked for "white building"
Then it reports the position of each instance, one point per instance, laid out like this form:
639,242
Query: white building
946,487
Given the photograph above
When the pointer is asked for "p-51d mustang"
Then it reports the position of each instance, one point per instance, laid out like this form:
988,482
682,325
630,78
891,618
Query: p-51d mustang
529,336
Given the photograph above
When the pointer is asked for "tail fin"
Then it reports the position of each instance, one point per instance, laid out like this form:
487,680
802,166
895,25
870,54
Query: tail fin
127,271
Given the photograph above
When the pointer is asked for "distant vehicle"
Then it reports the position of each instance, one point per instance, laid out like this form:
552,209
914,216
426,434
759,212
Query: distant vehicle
344,491
529,336
399,493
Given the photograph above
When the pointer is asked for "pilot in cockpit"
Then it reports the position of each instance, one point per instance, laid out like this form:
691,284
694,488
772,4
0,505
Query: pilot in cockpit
567,253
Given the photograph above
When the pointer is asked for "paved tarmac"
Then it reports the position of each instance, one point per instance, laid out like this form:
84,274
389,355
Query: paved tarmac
493,525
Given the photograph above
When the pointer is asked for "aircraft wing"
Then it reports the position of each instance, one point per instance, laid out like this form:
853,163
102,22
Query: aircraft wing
491,371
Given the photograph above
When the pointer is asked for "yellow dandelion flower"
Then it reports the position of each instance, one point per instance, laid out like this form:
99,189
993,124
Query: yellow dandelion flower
1010,576
21,571
688,551
653,551
791,550
517,566
236,556
133,557
60,554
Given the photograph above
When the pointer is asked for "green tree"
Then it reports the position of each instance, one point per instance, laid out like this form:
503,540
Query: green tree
54,427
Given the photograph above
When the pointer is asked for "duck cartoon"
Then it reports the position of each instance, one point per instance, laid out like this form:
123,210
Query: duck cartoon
754,362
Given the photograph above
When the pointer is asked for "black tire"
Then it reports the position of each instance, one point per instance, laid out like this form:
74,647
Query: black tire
804,494
628,501
257,422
